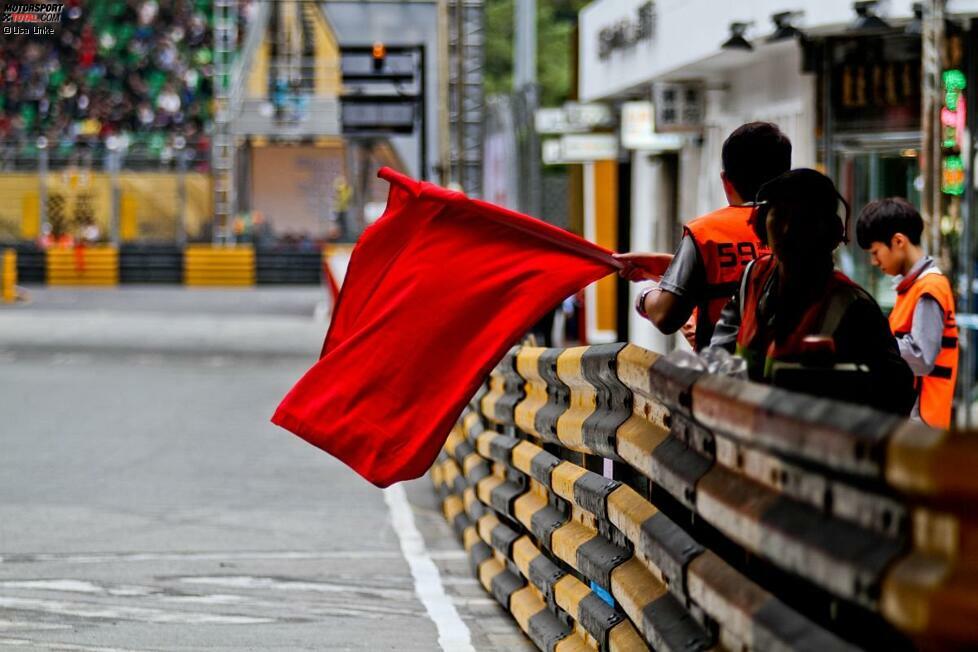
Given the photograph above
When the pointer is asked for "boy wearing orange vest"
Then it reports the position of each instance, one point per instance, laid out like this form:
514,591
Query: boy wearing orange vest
923,318
705,271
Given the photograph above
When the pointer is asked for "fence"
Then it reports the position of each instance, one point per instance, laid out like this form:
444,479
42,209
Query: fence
736,516
146,188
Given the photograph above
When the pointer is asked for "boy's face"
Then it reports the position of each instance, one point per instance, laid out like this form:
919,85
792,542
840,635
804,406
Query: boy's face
888,257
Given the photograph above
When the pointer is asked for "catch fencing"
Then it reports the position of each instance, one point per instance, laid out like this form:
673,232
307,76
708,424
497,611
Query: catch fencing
612,500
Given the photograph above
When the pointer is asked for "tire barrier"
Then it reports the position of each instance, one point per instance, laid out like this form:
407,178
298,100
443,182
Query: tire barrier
83,265
288,267
150,263
740,515
31,265
208,265
197,265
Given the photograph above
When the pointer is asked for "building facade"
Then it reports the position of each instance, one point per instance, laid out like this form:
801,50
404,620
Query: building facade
844,85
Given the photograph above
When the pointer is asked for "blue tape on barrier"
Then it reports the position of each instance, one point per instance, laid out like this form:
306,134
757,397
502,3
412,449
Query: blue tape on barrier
601,593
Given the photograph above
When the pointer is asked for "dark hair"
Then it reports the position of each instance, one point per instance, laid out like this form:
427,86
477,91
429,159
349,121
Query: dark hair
882,219
807,200
754,154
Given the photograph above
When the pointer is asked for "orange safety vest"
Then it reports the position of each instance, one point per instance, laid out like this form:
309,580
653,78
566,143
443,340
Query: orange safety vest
821,318
726,243
936,389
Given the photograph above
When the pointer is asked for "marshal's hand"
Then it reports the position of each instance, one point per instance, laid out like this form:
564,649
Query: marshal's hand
640,266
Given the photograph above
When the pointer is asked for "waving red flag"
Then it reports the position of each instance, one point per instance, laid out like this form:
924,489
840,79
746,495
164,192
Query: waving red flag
436,292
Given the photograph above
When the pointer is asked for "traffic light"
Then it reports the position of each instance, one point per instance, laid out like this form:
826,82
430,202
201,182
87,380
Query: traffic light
379,53
382,88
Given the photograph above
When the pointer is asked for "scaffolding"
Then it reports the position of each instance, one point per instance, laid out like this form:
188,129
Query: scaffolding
223,149
466,102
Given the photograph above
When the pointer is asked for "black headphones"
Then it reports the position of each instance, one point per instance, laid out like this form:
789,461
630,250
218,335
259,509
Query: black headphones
803,189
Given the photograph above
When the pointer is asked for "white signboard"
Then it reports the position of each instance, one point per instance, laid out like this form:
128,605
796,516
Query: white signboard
679,106
638,129
552,121
572,118
580,148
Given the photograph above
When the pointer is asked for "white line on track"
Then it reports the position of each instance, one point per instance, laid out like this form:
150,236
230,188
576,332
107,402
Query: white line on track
101,558
453,634
141,614
58,647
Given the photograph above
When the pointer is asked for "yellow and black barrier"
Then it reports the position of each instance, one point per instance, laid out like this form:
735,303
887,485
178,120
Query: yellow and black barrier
8,276
159,263
207,265
811,508
96,265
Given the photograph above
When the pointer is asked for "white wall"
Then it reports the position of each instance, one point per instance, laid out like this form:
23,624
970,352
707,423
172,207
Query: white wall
651,223
772,89
691,31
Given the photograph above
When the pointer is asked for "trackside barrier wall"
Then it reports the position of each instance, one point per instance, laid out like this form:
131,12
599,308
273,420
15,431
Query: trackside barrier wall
150,263
219,266
205,265
740,516
86,265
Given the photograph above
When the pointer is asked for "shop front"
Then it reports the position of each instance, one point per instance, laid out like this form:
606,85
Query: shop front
667,62
869,129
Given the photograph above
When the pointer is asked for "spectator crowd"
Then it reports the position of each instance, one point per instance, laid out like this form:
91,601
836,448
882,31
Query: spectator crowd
140,70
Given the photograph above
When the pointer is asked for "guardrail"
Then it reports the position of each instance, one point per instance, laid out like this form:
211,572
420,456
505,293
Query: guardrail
736,515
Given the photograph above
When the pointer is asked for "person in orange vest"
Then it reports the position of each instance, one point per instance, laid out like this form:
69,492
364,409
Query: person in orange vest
703,273
795,314
923,317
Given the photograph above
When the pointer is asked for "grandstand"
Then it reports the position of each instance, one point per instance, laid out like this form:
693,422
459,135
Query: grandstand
165,122
140,70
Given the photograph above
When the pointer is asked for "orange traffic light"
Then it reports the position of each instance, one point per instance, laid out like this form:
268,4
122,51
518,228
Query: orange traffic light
378,52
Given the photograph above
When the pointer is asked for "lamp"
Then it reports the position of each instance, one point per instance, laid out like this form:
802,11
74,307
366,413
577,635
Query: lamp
783,27
866,18
737,40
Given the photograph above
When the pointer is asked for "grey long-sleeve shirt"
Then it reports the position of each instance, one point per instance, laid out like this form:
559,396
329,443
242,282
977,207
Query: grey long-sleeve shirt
919,348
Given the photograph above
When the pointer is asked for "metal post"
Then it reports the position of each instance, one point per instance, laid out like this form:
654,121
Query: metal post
828,121
422,109
966,373
525,60
932,42
181,226
444,137
525,84
114,162
223,143
42,174
458,96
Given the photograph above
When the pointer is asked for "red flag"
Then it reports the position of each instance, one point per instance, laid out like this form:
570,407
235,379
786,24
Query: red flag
436,292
